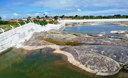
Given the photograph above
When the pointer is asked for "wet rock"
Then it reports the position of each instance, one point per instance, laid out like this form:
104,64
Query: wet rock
59,38
125,68
110,47
98,53
46,50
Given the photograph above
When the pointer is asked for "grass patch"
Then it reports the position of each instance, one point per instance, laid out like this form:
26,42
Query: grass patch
62,42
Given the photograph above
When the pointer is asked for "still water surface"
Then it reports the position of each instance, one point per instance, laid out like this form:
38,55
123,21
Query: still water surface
16,63
95,29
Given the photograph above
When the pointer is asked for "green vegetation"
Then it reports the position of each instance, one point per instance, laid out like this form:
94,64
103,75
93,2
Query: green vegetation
52,20
56,17
0,18
62,16
95,17
38,17
62,42
6,25
41,22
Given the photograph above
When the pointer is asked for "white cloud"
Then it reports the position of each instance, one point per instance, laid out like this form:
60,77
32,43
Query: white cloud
100,12
79,10
46,13
33,14
36,14
54,3
28,14
103,3
15,14
60,7
79,3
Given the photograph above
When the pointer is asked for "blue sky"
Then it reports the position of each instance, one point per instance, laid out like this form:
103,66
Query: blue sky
23,8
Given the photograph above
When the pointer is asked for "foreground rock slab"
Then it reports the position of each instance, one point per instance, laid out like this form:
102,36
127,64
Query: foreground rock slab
94,54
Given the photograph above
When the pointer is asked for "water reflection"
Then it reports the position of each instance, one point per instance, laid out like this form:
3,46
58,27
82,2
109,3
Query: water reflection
96,29
18,63
37,64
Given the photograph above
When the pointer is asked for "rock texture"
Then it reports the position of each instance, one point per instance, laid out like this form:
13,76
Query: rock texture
100,54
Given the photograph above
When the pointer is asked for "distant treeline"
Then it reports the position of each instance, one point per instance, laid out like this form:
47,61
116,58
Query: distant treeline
44,22
85,17
94,17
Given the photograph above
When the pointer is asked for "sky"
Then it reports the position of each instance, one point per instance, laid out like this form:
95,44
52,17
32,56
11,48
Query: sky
24,8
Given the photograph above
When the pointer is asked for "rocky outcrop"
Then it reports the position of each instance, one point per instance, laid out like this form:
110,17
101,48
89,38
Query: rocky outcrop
100,54
59,38
123,23
92,60
119,32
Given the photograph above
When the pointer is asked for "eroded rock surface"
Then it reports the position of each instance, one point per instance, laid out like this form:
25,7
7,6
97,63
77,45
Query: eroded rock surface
97,53
92,59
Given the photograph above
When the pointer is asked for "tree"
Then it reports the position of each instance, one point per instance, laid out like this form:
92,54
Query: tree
76,16
44,22
56,17
62,16
0,18
46,16
117,15
38,17
126,16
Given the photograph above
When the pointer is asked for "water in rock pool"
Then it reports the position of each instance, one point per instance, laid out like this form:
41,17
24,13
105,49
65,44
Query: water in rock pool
95,29
18,63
